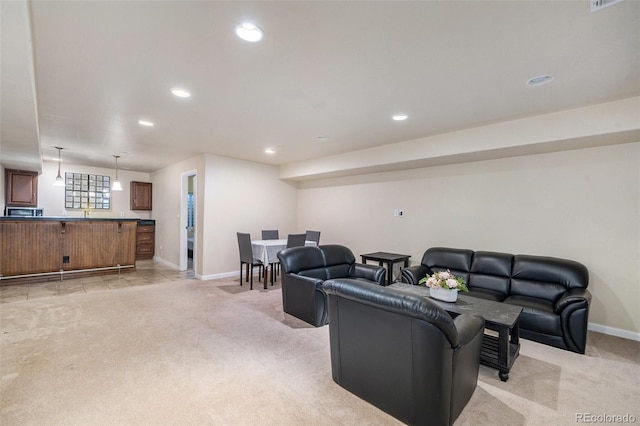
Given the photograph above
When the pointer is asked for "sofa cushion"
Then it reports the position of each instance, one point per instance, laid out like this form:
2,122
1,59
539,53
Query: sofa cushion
537,315
338,271
458,261
336,255
484,293
491,271
546,277
301,259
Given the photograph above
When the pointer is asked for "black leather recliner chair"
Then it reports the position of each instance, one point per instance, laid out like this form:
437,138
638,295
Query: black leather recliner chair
401,352
304,269
552,291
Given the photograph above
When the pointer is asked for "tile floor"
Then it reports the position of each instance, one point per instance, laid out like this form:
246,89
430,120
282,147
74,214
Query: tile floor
147,272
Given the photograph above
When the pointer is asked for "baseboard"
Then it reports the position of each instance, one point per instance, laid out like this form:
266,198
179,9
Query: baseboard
222,275
166,263
198,276
625,334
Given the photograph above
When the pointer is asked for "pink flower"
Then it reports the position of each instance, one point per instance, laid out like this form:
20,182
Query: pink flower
452,283
445,275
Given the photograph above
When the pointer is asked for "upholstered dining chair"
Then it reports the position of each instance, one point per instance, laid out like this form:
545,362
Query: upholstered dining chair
246,257
296,240
314,236
270,234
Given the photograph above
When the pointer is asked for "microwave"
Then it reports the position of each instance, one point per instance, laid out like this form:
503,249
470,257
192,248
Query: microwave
22,211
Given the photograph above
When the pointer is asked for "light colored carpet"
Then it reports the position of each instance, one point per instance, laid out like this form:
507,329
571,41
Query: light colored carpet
189,352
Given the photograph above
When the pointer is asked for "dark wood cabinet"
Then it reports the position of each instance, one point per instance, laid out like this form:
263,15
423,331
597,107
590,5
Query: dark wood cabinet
145,239
141,196
21,188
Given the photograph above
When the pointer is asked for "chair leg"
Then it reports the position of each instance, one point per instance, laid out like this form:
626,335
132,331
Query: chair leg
240,273
251,278
247,278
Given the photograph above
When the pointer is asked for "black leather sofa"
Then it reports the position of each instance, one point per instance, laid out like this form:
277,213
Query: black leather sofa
552,291
401,352
304,269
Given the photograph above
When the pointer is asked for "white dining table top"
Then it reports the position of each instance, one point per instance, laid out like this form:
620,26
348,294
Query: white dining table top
267,250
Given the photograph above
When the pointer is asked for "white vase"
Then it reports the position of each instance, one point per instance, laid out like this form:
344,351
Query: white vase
443,294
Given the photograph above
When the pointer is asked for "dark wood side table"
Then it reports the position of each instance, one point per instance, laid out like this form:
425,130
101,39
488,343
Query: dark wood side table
389,258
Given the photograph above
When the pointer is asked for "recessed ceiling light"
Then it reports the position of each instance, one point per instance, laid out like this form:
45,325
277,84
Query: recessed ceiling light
270,151
400,117
181,93
249,32
540,80
145,123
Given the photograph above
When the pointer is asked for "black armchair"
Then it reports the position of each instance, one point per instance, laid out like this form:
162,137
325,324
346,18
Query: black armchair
304,269
401,352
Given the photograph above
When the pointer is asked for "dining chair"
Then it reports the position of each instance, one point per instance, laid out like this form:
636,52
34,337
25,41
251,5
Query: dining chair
314,236
270,234
246,257
296,240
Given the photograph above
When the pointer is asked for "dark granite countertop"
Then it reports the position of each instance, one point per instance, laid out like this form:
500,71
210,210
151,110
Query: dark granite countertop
68,219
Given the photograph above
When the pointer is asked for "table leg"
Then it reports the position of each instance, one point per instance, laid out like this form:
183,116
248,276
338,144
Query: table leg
266,271
515,334
503,353
273,265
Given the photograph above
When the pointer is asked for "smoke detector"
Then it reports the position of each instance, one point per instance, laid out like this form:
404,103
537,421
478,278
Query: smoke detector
601,4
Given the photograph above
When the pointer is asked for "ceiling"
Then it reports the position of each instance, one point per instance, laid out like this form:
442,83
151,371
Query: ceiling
80,74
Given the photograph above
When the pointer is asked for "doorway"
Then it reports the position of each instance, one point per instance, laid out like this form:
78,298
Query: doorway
188,221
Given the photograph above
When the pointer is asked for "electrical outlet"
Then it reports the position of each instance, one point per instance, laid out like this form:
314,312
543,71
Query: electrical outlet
65,259
121,214
398,212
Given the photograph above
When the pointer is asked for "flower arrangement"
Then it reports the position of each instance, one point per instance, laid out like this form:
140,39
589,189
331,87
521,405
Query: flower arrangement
445,280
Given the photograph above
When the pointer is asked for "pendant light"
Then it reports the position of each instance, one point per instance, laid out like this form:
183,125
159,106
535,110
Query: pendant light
59,180
116,183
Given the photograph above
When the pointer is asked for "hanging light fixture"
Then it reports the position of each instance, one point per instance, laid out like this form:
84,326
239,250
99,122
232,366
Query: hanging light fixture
116,183
59,180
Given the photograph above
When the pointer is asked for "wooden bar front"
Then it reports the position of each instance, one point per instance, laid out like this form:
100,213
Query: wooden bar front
30,246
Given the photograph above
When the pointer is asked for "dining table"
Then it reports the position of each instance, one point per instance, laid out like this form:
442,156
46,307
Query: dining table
267,252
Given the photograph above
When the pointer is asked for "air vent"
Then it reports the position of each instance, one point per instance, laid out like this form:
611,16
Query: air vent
601,4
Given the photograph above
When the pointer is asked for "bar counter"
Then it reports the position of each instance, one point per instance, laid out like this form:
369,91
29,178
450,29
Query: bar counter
44,248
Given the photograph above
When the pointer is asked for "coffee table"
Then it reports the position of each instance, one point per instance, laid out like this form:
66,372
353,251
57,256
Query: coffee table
497,351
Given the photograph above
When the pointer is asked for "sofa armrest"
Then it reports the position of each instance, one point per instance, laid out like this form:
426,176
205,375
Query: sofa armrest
468,326
413,274
309,283
368,272
580,296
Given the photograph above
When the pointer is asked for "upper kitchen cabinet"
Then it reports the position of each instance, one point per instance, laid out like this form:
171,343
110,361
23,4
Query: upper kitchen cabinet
21,188
141,196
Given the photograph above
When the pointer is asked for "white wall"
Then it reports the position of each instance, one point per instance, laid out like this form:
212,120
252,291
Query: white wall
582,205
232,196
167,199
242,196
51,198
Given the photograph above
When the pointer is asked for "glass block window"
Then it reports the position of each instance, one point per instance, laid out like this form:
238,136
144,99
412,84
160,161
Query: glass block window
87,191
190,210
